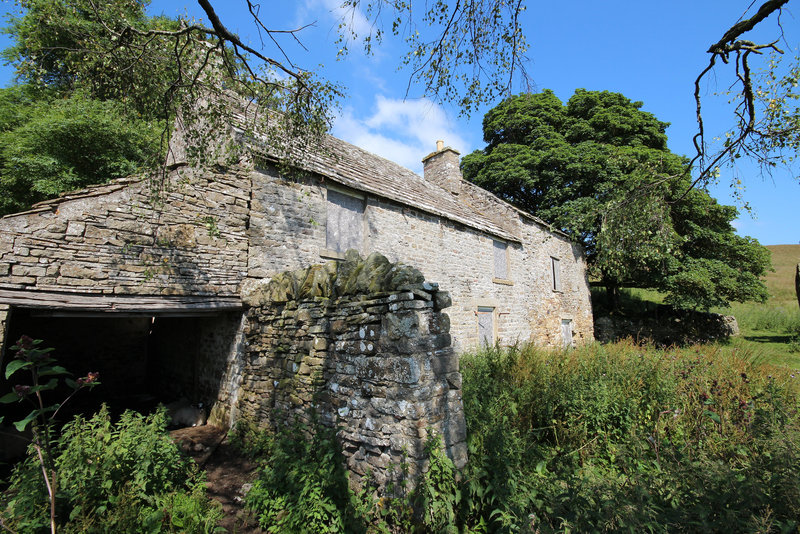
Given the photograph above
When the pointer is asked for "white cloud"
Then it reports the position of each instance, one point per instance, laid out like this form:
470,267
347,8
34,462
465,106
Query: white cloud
403,131
350,16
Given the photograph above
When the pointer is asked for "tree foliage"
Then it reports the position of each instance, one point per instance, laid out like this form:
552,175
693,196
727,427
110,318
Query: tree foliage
161,72
467,52
598,168
50,145
765,103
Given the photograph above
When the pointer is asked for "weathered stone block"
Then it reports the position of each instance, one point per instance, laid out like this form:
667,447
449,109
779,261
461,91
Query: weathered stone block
401,325
28,270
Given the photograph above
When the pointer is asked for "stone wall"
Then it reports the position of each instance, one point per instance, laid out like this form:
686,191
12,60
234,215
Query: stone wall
124,238
288,231
668,327
211,231
365,345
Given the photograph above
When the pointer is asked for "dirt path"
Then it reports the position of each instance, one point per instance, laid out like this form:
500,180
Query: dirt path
228,474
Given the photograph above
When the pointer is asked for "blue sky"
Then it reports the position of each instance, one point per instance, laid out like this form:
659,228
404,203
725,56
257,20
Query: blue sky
649,51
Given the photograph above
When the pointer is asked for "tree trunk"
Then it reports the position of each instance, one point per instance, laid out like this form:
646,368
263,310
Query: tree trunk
612,296
797,283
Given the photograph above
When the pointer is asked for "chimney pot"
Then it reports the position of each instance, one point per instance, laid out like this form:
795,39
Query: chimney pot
439,145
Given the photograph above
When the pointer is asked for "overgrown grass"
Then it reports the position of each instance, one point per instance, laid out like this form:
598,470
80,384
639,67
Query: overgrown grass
604,438
621,438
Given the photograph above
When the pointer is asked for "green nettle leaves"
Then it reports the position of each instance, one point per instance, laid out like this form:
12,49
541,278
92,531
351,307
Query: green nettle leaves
599,169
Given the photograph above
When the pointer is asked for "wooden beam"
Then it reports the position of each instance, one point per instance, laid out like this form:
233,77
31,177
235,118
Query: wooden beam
128,304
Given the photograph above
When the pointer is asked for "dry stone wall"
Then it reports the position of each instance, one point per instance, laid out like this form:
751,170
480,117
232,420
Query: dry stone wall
669,327
124,238
363,344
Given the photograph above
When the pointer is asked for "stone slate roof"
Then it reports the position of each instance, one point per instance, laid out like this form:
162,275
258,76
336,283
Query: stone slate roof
353,167
358,169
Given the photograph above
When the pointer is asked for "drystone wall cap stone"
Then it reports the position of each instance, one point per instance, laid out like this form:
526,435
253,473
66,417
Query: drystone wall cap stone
282,287
405,275
442,300
317,283
372,279
255,292
346,270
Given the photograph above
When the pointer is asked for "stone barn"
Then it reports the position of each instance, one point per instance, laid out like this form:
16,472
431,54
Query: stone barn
152,282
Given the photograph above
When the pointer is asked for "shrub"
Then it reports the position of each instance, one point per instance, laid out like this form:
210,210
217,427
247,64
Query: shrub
303,485
126,477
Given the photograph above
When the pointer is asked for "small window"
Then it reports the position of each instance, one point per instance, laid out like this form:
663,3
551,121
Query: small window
566,332
555,269
500,260
344,222
486,325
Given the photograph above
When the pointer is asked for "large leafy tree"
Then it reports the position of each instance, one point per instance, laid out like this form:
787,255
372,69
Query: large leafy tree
112,58
598,168
51,144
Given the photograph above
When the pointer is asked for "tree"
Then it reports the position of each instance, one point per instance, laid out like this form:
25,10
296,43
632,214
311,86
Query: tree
51,145
167,68
599,169
766,112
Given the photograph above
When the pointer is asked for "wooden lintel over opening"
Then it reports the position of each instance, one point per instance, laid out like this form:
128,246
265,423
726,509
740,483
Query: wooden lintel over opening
56,303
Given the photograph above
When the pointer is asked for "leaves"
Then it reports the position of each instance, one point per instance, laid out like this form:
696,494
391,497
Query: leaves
22,424
15,365
598,168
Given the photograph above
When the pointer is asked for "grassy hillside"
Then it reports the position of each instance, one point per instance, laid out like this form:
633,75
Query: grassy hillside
781,282
770,331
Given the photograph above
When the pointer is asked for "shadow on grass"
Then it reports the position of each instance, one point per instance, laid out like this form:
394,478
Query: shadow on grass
769,339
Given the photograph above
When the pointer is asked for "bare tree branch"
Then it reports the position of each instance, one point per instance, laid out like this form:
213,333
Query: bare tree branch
742,49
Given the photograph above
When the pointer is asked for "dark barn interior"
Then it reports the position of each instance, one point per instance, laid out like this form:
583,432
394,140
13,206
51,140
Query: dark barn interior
143,359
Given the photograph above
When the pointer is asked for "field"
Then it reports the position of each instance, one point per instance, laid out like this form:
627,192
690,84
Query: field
772,330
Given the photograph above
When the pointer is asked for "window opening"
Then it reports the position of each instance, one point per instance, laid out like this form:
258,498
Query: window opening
500,260
486,325
344,222
555,267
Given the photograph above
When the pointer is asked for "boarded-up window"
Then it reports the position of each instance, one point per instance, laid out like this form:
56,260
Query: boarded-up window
566,332
500,260
486,325
555,267
345,222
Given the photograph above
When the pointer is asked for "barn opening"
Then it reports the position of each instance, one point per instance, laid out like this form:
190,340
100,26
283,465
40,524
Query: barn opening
145,355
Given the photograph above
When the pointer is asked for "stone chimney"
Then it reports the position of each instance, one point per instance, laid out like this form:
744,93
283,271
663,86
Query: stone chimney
442,168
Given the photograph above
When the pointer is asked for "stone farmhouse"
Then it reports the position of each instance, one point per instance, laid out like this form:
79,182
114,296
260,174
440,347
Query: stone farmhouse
149,281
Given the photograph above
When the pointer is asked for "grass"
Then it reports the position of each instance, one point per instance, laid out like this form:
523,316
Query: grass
622,438
770,331
773,329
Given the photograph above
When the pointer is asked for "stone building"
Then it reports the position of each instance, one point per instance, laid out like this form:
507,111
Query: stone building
148,280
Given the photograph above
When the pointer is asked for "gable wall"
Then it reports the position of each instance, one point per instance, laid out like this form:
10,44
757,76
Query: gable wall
113,242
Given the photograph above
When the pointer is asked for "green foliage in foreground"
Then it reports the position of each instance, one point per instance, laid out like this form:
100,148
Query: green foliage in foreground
605,438
123,477
304,487
622,438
